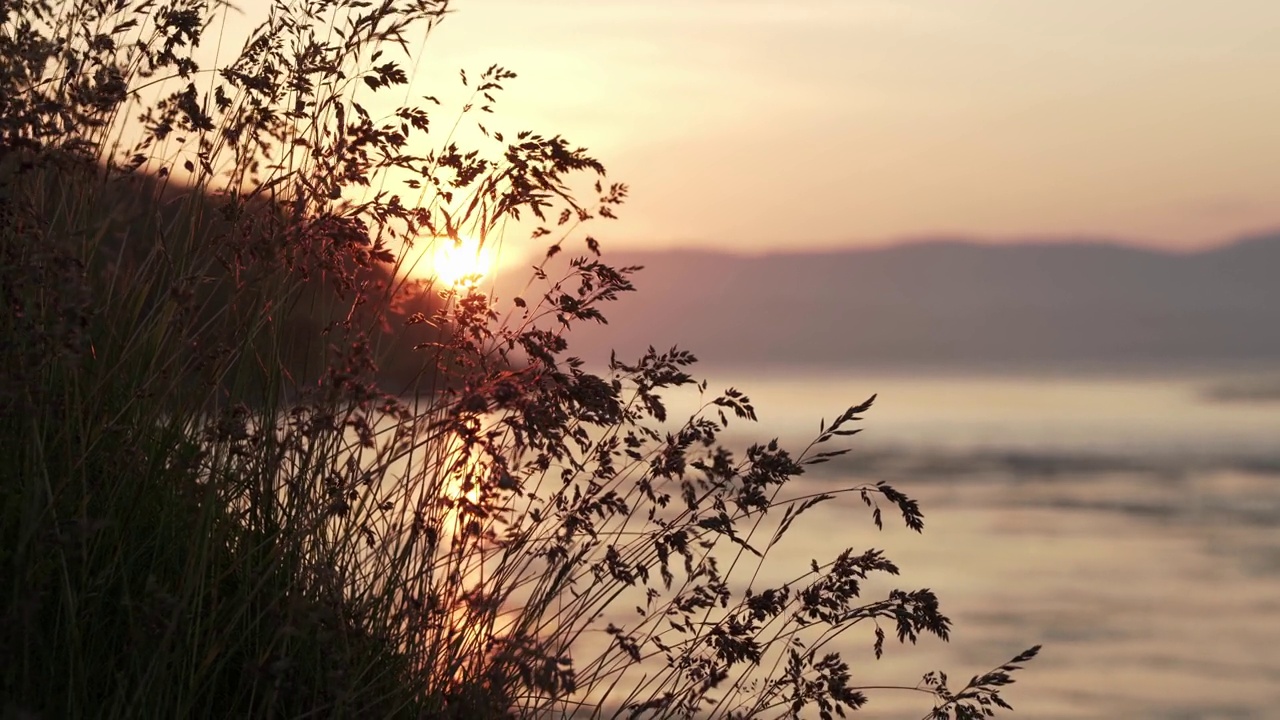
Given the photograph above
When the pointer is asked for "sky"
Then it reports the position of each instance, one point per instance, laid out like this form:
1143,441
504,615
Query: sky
757,125
760,125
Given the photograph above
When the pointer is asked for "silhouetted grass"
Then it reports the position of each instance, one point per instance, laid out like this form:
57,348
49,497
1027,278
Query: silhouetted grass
218,503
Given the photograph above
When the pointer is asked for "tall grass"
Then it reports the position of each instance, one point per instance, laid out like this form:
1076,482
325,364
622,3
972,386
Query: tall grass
218,502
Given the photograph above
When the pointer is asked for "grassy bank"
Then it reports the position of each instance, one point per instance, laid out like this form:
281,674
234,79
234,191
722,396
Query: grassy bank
252,471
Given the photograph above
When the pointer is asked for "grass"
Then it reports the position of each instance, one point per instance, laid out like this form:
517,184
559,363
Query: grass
252,471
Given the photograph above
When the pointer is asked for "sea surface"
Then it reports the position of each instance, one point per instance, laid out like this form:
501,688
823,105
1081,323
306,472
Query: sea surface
1129,522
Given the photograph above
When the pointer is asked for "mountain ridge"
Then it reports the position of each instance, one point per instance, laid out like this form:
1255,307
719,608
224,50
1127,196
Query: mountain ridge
951,302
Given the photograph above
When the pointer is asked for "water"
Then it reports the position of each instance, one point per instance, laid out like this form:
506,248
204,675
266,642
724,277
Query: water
1128,523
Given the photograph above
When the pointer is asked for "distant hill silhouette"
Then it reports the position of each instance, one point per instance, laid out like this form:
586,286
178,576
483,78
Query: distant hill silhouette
952,303
942,303
132,211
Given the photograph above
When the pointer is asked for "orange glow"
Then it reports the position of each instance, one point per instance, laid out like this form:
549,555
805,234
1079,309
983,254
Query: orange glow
464,483
460,263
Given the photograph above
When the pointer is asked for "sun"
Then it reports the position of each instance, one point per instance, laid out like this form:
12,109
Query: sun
462,262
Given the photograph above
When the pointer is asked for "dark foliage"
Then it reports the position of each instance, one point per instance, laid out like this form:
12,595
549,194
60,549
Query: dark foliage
217,505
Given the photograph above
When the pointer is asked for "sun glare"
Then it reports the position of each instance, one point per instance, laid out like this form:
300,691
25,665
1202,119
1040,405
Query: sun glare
461,263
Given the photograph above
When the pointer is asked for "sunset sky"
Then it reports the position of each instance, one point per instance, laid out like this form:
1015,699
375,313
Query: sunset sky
758,124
